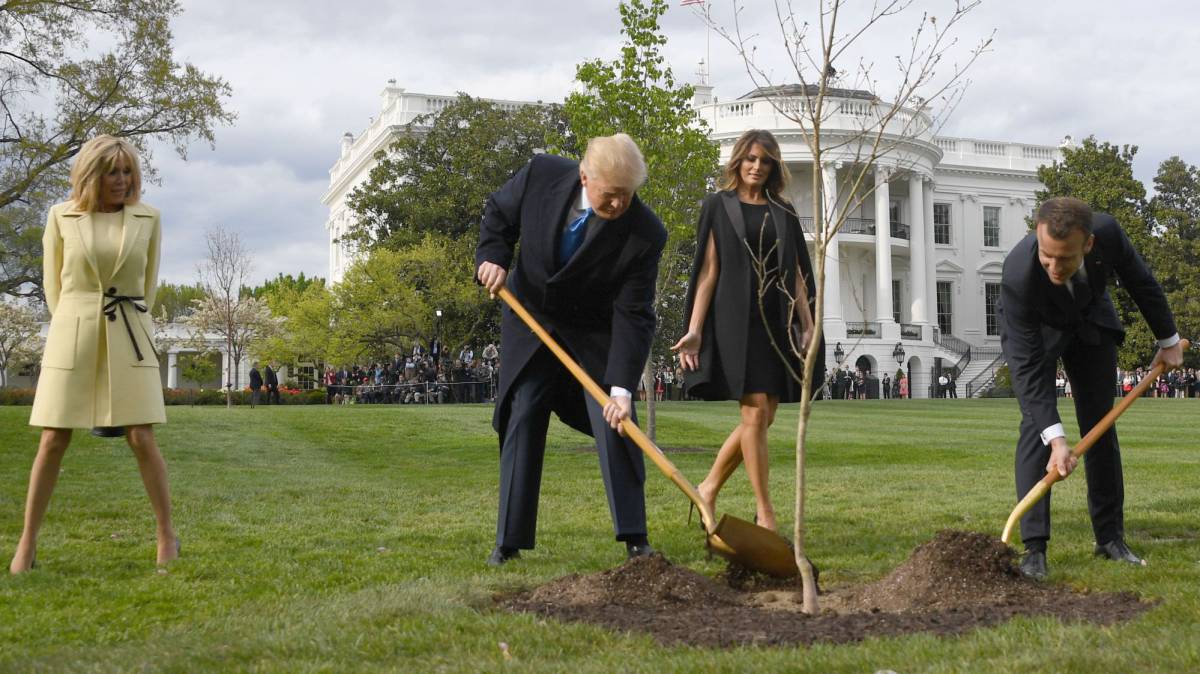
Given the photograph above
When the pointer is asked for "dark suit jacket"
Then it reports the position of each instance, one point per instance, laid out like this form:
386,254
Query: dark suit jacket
722,370
256,380
1039,320
272,378
600,306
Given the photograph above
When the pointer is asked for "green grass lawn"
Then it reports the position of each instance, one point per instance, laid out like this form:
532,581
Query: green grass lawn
353,539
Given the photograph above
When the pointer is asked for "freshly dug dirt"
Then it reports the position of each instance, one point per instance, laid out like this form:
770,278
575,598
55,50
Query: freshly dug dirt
957,582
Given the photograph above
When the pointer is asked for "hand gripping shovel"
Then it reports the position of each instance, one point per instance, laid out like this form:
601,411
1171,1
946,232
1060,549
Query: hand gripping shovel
1043,487
734,539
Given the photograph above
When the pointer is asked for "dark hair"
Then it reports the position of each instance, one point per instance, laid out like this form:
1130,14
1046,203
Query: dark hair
1062,215
731,177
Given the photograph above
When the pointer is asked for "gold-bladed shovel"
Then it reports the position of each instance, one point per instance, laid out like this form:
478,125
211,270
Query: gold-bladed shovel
1042,488
735,539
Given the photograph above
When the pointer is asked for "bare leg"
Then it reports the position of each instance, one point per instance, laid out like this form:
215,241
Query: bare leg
154,477
758,410
727,461
42,479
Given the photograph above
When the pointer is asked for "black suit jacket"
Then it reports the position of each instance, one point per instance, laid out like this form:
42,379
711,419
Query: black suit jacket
600,306
1039,320
272,378
256,380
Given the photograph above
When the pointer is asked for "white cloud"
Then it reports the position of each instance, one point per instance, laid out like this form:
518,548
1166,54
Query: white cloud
304,72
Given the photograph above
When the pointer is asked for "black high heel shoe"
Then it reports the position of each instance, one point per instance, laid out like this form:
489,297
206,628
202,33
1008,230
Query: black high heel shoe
691,509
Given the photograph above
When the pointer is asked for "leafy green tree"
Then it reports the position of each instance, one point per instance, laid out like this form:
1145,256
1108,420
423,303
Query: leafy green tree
637,94
174,301
57,91
282,282
437,176
1101,174
199,368
307,316
386,302
1175,213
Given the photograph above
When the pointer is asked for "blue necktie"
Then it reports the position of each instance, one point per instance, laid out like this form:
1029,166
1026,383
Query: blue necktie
572,237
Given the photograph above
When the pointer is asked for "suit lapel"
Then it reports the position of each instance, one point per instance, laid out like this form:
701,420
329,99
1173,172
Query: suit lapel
134,219
734,210
83,231
602,238
554,215
783,236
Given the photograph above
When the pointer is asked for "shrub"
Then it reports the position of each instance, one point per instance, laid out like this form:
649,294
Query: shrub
21,396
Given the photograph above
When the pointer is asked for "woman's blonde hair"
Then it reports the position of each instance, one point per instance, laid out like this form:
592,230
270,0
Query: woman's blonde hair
616,158
97,157
731,177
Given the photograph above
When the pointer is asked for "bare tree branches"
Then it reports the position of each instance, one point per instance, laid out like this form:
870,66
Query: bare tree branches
845,117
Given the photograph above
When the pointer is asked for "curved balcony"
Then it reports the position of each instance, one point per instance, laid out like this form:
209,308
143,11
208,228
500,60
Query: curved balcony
861,232
847,115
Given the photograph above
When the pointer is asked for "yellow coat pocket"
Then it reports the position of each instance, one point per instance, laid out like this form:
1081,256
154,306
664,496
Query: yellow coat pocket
61,343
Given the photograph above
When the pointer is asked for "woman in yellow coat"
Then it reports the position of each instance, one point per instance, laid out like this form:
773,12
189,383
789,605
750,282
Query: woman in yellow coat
100,366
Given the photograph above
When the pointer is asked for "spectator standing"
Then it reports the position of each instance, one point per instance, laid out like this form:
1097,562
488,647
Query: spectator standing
272,381
256,384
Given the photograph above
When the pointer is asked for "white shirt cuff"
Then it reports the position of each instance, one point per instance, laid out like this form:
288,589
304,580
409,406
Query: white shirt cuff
618,391
1051,432
1169,341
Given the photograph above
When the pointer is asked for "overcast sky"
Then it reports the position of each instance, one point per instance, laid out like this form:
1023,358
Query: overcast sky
304,72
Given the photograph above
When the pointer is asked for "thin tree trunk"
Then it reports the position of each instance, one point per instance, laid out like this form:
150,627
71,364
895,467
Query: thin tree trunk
651,408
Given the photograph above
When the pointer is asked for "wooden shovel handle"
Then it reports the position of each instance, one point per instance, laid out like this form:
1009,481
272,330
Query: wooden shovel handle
631,430
1043,486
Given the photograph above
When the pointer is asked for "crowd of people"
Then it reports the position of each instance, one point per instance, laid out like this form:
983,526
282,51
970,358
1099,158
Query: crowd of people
844,384
1175,384
419,378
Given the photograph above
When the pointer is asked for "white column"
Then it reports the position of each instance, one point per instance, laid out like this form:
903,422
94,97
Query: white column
833,323
883,247
931,262
172,370
226,372
916,248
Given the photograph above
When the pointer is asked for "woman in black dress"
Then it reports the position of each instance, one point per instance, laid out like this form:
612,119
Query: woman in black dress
743,330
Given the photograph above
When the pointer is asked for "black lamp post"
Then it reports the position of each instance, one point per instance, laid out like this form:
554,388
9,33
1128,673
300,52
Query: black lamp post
838,353
437,342
898,353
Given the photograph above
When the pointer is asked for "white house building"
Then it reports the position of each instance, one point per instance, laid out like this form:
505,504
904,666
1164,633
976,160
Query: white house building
918,294
353,166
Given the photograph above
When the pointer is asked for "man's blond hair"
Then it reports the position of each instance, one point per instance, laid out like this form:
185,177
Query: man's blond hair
615,158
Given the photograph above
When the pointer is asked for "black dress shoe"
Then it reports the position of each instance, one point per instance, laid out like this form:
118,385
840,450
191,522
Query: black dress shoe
1034,565
639,550
501,555
1117,551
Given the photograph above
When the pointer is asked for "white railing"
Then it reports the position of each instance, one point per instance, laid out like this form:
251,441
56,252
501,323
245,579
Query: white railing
1037,152
991,149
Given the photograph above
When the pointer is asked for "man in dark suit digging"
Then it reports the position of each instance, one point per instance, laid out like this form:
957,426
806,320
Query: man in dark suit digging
1054,304
589,251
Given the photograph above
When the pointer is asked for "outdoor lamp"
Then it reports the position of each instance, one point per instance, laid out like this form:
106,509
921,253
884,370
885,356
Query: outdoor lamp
838,354
898,353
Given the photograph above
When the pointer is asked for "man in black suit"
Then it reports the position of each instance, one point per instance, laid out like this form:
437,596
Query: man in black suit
1054,304
587,269
256,384
272,381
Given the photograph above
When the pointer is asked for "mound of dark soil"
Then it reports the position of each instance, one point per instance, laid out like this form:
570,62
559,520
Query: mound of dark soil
639,582
956,568
957,582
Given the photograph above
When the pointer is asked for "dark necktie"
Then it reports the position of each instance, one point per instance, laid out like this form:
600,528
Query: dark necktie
572,237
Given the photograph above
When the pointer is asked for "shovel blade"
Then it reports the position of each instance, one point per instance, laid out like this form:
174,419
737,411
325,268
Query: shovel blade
753,547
